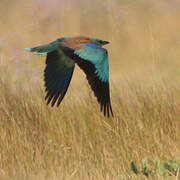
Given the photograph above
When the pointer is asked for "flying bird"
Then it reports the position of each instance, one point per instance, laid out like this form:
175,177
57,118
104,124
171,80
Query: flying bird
89,55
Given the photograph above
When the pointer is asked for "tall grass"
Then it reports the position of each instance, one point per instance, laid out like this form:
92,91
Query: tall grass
75,141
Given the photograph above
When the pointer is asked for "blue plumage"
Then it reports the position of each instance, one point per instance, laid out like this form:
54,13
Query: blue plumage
98,57
89,55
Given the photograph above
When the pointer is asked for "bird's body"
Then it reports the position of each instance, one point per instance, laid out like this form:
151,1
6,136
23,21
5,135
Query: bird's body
88,54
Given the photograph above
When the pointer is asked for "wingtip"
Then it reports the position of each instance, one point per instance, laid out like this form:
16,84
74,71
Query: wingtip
112,114
108,113
107,110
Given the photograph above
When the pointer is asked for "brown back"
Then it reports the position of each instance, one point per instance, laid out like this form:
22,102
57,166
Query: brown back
75,42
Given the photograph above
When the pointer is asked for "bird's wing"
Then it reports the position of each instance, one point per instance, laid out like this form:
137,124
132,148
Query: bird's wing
93,60
58,71
57,76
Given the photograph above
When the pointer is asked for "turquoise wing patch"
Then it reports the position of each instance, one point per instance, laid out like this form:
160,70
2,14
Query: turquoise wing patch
98,57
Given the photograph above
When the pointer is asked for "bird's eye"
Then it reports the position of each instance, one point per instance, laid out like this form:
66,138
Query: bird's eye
103,42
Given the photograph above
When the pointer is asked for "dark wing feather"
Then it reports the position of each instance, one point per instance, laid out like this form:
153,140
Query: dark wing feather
57,76
100,88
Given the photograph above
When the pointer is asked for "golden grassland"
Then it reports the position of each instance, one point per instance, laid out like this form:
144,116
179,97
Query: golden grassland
75,141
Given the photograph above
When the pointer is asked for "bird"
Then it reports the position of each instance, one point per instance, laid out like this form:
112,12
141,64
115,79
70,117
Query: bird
61,57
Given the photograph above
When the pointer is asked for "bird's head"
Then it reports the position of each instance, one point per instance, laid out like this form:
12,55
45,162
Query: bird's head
99,42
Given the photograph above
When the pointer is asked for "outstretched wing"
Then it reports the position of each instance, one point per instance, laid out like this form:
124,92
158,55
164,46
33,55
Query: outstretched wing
93,60
57,76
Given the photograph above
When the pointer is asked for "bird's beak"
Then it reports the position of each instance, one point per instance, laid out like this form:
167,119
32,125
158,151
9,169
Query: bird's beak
105,42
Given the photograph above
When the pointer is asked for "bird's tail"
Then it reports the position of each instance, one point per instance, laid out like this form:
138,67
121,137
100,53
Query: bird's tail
43,48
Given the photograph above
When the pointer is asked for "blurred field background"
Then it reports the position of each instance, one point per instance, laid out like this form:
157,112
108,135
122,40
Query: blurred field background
75,141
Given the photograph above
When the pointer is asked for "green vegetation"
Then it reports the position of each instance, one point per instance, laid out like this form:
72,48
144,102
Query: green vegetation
161,168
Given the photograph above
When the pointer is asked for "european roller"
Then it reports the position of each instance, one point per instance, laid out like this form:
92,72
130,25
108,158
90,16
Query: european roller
89,55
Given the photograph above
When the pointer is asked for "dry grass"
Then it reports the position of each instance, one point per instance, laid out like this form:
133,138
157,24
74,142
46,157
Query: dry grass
75,141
